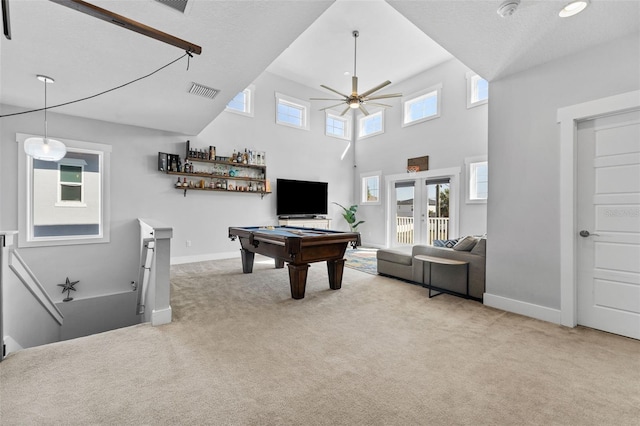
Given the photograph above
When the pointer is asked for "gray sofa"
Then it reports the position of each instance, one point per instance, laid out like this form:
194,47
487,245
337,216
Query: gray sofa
400,263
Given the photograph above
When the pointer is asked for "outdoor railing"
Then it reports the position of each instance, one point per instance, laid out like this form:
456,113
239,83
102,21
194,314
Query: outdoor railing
438,229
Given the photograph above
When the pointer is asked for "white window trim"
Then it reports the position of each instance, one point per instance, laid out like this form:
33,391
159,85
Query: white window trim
362,199
365,117
471,89
305,106
250,96
336,116
468,162
407,99
25,234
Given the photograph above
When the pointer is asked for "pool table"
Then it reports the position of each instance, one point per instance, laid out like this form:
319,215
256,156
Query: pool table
298,247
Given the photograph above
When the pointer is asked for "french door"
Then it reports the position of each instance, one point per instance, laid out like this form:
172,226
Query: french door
422,207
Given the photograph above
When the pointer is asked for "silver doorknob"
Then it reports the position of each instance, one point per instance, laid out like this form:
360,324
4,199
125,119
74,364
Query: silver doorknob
585,233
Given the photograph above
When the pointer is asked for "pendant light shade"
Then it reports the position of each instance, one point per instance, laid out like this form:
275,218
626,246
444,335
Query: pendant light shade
44,148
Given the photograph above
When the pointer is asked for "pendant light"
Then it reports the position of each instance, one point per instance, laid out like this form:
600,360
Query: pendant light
44,148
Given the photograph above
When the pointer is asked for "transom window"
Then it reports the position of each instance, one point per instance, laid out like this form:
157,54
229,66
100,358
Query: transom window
292,112
371,125
478,179
421,106
477,90
242,103
337,126
370,186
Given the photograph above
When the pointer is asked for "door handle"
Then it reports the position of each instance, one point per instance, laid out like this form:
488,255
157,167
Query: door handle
584,233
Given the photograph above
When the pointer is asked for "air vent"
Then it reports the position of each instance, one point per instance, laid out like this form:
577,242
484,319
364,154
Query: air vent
179,5
200,90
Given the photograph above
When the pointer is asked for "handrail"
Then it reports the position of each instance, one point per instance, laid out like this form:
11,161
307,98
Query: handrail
20,268
146,257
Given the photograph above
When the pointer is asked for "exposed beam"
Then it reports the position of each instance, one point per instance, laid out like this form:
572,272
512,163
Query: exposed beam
130,24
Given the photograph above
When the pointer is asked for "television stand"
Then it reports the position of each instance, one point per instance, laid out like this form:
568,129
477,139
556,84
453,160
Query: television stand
306,222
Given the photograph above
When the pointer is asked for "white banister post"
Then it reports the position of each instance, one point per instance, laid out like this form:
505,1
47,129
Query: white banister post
160,293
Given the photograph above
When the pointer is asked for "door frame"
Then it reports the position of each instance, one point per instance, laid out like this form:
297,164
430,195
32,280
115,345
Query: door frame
453,173
568,118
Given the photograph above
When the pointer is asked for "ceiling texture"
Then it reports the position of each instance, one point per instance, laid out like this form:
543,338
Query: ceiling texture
309,42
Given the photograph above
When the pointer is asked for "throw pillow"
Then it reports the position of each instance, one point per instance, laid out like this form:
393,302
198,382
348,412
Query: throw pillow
445,243
466,244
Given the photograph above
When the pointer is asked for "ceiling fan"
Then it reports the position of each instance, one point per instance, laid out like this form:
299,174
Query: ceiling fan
355,100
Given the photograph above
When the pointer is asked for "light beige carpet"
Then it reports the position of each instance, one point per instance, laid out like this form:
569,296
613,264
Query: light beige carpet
377,352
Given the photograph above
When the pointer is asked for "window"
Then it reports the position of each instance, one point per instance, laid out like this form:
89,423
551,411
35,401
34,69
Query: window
421,106
242,103
478,179
70,177
292,112
370,188
337,126
371,125
65,202
477,90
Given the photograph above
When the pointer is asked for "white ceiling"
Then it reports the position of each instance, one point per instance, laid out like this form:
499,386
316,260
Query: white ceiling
306,41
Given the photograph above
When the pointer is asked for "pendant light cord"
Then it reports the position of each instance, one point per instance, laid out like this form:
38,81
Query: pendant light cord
92,96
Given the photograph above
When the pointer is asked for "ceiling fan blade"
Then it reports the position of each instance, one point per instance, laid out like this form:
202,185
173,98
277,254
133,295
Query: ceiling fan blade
375,89
345,111
332,106
364,111
392,95
354,86
334,91
327,99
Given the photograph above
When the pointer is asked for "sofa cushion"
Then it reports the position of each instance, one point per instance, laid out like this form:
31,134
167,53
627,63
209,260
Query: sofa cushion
395,256
466,244
480,248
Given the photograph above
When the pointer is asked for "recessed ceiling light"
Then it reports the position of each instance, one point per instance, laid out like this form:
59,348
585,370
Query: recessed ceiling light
347,73
573,8
508,8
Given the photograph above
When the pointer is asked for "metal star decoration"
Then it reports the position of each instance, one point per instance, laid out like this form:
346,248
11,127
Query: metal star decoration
68,286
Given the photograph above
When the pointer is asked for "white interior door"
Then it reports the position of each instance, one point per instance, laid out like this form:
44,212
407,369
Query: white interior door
608,219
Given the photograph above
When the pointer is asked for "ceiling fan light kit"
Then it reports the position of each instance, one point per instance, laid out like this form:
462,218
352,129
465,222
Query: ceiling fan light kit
44,148
355,100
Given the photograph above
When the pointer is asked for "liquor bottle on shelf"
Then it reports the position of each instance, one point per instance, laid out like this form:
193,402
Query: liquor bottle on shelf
178,183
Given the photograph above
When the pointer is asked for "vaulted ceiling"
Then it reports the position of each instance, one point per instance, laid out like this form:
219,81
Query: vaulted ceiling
306,41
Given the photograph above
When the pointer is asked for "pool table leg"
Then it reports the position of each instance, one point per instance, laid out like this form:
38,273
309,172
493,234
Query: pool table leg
247,260
298,279
335,269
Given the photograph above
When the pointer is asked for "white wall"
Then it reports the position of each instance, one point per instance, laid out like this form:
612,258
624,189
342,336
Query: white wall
291,154
139,190
458,133
523,248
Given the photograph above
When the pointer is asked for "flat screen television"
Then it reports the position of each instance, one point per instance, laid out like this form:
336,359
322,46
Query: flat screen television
301,198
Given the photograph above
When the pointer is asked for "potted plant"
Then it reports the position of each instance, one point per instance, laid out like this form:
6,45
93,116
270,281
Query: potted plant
349,215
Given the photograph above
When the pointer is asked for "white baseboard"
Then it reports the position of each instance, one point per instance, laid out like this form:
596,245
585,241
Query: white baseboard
162,316
11,345
204,257
523,308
